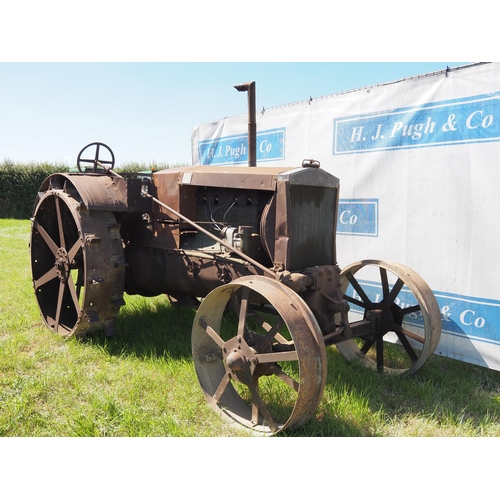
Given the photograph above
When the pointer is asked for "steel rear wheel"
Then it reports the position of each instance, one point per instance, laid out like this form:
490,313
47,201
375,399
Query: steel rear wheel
403,309
265,367
77,265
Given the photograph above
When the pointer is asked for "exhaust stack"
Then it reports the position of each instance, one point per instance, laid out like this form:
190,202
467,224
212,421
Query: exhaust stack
252,124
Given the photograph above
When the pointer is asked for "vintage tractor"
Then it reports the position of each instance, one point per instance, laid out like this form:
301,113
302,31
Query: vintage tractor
254,247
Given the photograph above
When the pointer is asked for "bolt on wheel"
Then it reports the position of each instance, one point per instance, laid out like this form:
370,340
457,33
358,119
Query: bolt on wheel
264,367
402,311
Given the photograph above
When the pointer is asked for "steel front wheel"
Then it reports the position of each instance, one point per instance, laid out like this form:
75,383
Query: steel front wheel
264,367
77,265
401,310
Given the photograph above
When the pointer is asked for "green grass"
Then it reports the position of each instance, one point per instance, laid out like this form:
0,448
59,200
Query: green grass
142,381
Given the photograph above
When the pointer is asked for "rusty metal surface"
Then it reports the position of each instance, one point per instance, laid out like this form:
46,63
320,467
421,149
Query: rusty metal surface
309,175
249,87
260,238
96,191
100,192
245,356
305,220
236,177
230,248
419,336
297,228
77,265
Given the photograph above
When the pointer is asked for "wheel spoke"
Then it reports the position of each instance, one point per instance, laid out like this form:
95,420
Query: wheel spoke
357,287
60,298
74,295
60,223
240,308
406,344
74,250
277,357
79,281
394,292
400,330
276,369
48,276
411,309
211,332
48,240
385,282
380,353
243,312
255,413
366,346
257,403
272,331
221,387
354,301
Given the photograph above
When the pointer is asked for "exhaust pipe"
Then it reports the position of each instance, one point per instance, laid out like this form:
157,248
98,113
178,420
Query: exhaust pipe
252,123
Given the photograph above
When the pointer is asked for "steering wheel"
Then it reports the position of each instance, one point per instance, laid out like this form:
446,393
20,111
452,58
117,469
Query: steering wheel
96,161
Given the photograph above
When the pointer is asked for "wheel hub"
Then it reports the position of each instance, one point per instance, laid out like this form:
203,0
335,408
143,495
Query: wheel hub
236,360
62,265
382,320
239,359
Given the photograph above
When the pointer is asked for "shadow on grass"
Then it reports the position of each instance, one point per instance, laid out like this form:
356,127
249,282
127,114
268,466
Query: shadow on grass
149,332
445,397
357,402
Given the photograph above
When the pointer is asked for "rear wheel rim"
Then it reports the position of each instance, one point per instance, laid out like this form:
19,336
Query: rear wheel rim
77,265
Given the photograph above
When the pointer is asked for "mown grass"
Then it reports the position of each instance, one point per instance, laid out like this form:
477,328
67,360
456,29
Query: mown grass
142,381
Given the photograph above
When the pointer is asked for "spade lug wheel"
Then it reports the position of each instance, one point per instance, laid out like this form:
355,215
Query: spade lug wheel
77,265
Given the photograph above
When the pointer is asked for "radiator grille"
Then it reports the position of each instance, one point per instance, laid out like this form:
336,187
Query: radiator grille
311,220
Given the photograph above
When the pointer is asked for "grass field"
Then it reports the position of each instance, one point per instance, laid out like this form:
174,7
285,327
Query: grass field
142,382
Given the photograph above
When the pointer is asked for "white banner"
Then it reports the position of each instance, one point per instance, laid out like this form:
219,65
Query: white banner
418,162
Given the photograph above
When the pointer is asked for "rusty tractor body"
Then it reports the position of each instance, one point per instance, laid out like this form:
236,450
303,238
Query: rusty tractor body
255,248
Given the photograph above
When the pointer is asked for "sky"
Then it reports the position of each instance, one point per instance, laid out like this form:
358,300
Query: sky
140,76
145,111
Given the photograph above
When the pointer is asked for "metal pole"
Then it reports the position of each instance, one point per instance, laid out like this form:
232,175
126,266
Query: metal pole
252,122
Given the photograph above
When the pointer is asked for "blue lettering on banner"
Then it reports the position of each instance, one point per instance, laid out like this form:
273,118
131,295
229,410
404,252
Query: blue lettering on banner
476,318
459,121
233,149
358,217
467,317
